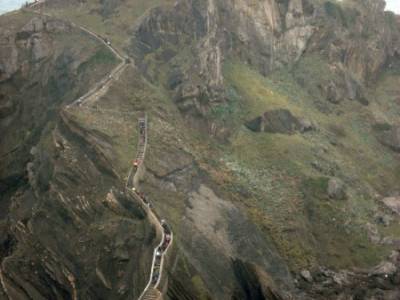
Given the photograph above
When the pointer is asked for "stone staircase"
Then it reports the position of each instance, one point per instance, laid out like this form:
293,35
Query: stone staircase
152,294
142,139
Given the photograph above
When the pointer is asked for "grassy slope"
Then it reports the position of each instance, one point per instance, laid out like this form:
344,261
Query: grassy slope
116,25
76,44
289,196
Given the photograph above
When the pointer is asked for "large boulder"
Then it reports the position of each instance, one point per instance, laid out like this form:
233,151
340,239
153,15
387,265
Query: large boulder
306,275
393,203
391,138
336,189
279,121
333,93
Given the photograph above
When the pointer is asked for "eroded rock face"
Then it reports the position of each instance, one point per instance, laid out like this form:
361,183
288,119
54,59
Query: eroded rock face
60,240
234,238
393,203
385,269
380,282
32,38
366,62
52,246
358,39
8,56
25,72
219,239
267,34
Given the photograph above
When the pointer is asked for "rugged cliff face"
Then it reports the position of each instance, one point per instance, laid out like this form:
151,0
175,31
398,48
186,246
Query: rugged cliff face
66,224
265,34
273,149
357,39
319,54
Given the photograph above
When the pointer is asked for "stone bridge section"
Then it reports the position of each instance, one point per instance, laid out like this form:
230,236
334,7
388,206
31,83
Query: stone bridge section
151,291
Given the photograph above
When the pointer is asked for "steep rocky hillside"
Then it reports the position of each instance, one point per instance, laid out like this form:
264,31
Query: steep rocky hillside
273,149
65,221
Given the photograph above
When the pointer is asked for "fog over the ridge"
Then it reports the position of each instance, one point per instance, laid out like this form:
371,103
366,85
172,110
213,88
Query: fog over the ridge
8,5
393,5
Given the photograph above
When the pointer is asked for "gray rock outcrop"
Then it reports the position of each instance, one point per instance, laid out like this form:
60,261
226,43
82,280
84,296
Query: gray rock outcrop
393,203
391,138
336,189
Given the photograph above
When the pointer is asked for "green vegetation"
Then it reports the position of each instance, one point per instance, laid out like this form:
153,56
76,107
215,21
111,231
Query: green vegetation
51,82
341,242
15,21
118,128
225,111
316,188
381,127
101,56
287,193
334,10
257,93
345,15
279,170
200,287
112,24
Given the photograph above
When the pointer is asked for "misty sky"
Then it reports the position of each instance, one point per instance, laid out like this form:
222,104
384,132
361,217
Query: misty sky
393,5
7,5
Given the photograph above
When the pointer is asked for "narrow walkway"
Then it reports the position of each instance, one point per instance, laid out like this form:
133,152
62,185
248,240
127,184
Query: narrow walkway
100,88
151,290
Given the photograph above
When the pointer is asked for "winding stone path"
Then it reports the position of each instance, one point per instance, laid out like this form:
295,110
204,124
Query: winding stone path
100,88
151,291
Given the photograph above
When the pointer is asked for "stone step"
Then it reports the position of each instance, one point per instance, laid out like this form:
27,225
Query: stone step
152,294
